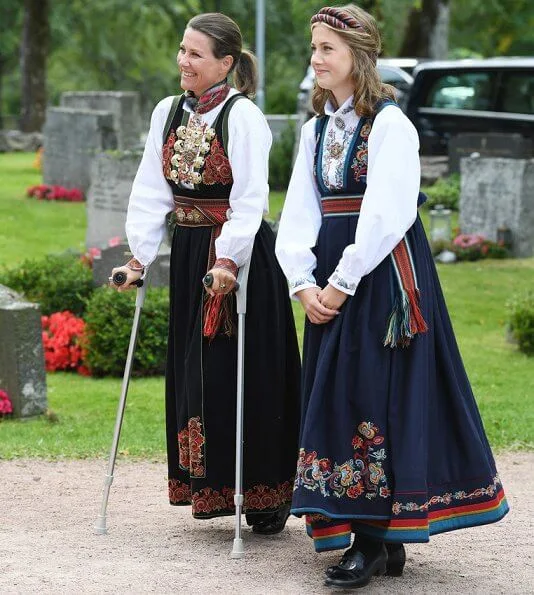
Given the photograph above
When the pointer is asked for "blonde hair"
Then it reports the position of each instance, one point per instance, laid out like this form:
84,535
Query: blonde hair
226,40
365,45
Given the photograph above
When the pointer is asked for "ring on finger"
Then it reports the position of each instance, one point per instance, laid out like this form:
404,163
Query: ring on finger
222,285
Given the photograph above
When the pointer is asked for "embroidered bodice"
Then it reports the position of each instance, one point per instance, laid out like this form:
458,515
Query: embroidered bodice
236,169
378,160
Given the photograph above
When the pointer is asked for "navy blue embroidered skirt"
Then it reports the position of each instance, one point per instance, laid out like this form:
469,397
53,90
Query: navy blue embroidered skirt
392,444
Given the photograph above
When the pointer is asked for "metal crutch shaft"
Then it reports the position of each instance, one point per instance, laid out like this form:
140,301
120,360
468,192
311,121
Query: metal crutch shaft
100,524
241,303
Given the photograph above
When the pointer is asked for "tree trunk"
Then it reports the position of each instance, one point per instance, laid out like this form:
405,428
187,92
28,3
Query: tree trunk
427,32
33,55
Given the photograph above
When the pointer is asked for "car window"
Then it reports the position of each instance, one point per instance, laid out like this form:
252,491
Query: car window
518,93
466,90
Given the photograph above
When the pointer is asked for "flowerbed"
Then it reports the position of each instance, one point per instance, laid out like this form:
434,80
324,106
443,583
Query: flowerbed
47,192
476,246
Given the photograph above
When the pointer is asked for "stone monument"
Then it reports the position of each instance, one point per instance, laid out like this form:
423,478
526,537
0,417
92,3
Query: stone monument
499,193
22,366
71,139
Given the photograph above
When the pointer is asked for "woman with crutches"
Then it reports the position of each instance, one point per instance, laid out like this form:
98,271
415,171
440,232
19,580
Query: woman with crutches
206,159
392,447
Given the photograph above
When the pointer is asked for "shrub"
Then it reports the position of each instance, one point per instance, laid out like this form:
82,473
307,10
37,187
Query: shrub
281,158
444,191
109,317
62,332
57,282
521,321
474,247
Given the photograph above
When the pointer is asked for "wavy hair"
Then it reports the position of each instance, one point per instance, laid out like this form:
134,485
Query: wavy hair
365,45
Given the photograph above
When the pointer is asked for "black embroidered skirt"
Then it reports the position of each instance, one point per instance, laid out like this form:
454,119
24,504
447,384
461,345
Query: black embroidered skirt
201,386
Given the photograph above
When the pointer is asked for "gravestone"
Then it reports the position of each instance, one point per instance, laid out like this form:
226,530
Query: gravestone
118,255
22,367
492,144
124,105
112,175
497,193
71,138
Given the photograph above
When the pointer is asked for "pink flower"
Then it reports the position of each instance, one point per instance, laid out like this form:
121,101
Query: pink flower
465,240
115,241
5,403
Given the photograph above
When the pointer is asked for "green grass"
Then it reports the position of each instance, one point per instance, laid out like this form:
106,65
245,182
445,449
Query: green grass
502,378
32,228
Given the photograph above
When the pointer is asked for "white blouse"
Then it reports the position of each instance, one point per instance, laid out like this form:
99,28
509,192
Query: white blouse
151,199
389,206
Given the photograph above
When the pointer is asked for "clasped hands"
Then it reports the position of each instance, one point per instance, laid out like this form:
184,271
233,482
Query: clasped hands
321,305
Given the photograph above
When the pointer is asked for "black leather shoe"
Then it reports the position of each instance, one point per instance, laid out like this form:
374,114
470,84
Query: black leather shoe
357,568
394,565
396,559
273,523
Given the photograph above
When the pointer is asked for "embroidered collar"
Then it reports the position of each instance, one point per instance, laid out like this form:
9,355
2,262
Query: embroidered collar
209,100
346,108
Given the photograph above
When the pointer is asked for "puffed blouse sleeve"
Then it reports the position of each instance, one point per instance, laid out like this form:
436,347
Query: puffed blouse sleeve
389,206
151,196
301,217
249,143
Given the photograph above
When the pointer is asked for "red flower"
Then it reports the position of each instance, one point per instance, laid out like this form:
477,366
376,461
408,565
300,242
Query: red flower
46,192
6,406
62,334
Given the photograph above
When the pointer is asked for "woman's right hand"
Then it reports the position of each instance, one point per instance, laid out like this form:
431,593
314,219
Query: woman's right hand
315,311
131,277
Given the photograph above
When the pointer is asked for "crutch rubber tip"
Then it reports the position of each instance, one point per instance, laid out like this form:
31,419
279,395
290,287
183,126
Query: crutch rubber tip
238,550
100,526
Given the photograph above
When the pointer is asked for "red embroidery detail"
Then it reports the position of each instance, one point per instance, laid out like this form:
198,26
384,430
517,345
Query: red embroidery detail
168,152
179,493
217,167
190,448
207,500
227,264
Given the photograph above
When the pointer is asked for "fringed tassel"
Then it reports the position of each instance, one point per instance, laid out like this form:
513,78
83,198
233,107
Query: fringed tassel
218,312
417,322
405,320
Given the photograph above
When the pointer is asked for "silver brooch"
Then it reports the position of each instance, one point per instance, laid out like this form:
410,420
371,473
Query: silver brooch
339,122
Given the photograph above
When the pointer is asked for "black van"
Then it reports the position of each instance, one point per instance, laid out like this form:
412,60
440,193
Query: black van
462,96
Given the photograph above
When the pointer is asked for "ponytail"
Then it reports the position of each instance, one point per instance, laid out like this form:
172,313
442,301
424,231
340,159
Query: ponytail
246,73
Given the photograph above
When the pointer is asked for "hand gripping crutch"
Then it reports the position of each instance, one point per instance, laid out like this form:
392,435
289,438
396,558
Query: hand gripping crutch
241,301
100,525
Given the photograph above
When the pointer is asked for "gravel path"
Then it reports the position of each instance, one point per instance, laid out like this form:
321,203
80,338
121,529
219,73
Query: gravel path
47,544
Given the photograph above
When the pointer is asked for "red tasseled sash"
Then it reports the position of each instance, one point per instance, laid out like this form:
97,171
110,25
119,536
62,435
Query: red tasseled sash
208,212
406,319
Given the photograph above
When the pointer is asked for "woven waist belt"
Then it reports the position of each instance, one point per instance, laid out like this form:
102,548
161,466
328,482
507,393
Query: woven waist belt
200,212
406,319
341,205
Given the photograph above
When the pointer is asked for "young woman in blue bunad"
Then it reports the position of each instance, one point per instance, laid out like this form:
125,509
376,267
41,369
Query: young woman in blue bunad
392,447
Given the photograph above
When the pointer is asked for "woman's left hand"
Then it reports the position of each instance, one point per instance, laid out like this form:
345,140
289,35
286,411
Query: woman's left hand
223,282
332,298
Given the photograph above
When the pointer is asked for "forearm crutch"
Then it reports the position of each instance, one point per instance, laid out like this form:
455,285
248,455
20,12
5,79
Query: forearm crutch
100,525
241,302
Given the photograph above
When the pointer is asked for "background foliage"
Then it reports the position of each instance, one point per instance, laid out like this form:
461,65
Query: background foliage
131,44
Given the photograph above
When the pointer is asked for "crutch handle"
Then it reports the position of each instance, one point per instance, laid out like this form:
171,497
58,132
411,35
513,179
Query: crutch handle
207,281
119,278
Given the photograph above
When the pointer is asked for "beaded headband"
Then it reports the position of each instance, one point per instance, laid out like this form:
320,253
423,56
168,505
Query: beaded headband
336,18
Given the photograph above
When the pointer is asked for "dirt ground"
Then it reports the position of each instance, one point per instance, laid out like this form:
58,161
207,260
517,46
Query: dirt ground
47,543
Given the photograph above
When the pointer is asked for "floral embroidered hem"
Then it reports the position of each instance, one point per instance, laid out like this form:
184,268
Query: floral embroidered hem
208,503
